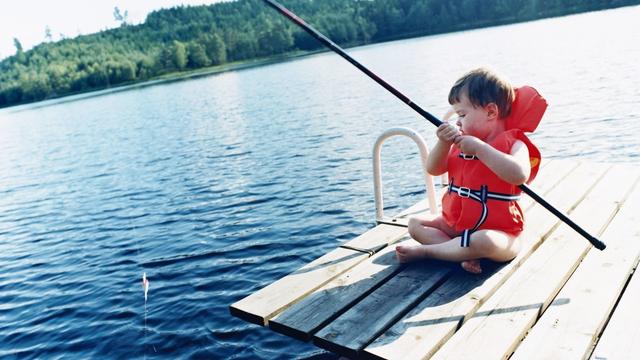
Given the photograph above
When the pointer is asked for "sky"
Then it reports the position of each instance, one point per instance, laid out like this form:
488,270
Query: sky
27,20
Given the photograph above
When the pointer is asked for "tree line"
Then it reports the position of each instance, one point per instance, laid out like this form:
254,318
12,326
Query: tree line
192,37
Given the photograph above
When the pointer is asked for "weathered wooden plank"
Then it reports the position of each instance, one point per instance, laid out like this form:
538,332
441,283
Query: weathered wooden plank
501,323
354,329
262,305
422,331
326,303
433,321
550,174
621,337
570,331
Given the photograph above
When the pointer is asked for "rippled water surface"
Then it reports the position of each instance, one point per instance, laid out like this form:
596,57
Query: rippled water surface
218,186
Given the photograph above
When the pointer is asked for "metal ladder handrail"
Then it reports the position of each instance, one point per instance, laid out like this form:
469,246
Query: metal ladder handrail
377,173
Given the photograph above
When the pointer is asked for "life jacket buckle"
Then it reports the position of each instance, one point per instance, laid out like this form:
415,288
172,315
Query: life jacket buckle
467,157
464,192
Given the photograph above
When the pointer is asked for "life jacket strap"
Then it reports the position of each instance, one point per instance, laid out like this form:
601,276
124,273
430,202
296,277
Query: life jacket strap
467,157
480,196
477,195
465,238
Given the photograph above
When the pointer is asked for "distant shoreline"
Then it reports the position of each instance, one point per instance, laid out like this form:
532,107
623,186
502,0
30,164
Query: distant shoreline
255,62
163,79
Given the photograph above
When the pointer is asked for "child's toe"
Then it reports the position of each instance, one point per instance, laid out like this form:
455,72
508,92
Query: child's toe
472,266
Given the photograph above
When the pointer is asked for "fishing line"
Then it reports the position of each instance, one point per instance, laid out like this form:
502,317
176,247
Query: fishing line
145,286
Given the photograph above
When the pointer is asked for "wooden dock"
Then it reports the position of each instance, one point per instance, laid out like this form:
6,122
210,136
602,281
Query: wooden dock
559,299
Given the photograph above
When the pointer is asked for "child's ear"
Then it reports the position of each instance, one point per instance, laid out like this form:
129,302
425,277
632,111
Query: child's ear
492,111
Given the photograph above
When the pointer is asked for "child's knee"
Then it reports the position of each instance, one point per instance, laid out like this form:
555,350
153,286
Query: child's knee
413,226
498,247
484,245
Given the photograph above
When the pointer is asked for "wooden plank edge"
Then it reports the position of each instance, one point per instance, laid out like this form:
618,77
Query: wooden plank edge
237,308
361,353
606,338
440,273
304,336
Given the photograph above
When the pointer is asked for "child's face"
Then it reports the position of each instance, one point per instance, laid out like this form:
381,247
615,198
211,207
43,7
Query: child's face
472,120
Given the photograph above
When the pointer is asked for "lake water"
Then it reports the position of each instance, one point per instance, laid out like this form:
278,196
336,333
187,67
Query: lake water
218,186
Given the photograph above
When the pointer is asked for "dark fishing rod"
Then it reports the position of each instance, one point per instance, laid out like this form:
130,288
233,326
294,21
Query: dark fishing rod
432,119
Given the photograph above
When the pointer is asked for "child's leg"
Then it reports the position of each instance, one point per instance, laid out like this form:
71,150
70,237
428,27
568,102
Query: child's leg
429,231
489,244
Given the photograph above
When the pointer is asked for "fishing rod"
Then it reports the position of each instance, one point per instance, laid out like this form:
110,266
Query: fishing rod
432,119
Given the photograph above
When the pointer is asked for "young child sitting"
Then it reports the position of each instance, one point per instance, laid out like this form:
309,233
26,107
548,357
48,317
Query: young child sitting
487,155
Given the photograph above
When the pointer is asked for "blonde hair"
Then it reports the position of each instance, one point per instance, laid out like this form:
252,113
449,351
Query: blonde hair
482,87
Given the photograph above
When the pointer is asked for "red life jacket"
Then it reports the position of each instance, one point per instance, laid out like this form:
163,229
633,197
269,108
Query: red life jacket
479,199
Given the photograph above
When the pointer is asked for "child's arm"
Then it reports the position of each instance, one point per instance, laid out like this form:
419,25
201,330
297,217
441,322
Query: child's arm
437,160
513,168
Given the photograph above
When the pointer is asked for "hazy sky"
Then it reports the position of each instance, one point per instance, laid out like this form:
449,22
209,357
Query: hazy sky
26,20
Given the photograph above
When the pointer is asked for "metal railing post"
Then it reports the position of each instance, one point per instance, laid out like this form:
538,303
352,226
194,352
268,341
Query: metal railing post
377,173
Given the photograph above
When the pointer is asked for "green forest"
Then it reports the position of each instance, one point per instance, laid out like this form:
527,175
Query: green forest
194,37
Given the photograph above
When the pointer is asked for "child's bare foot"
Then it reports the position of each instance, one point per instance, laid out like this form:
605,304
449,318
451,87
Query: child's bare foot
408,253
472,266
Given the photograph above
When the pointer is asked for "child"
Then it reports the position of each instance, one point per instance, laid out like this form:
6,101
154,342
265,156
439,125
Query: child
487,156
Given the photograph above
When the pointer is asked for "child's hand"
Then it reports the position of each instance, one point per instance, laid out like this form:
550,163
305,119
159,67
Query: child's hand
447,133
469,145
